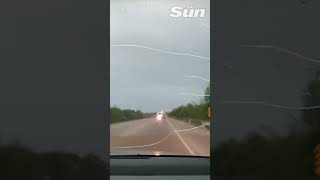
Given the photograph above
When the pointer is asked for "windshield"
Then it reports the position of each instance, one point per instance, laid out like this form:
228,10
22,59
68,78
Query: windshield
160,77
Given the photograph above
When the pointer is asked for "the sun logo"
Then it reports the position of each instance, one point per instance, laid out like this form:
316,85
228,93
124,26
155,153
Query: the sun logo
188,12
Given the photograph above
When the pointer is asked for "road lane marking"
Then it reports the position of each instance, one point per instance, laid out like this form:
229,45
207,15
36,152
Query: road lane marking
181,139
160,141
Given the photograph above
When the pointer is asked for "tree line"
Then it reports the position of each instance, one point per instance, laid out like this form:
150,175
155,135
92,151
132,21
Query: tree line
121,115
196,112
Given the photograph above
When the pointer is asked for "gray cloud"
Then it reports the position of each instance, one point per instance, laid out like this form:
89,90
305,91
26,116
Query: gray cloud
152,80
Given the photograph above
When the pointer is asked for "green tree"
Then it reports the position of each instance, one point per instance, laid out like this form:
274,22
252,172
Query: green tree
119,115
116,114
195,111
206,99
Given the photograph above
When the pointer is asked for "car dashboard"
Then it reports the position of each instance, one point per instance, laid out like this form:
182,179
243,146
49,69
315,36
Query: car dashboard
134,167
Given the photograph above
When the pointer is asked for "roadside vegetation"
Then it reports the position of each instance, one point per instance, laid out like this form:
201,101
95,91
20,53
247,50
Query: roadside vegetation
121,115
194,112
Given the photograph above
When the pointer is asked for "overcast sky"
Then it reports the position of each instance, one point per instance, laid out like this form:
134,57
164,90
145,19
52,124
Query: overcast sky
150,80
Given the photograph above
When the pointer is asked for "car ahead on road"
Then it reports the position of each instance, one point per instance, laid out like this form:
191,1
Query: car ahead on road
146,165
160,116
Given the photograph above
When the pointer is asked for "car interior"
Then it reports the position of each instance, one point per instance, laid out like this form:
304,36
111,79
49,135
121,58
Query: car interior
159,167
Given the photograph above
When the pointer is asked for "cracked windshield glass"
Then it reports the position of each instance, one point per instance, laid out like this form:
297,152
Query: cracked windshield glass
160,77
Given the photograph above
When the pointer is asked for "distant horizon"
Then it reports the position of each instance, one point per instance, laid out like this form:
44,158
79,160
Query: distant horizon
126,108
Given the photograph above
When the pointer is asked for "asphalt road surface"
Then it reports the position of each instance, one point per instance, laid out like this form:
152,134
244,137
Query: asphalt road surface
148,131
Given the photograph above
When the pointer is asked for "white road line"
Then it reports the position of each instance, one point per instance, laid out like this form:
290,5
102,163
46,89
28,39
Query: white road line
162,140
181,139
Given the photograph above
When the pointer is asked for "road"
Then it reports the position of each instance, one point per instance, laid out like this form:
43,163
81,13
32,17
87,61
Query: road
148,131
